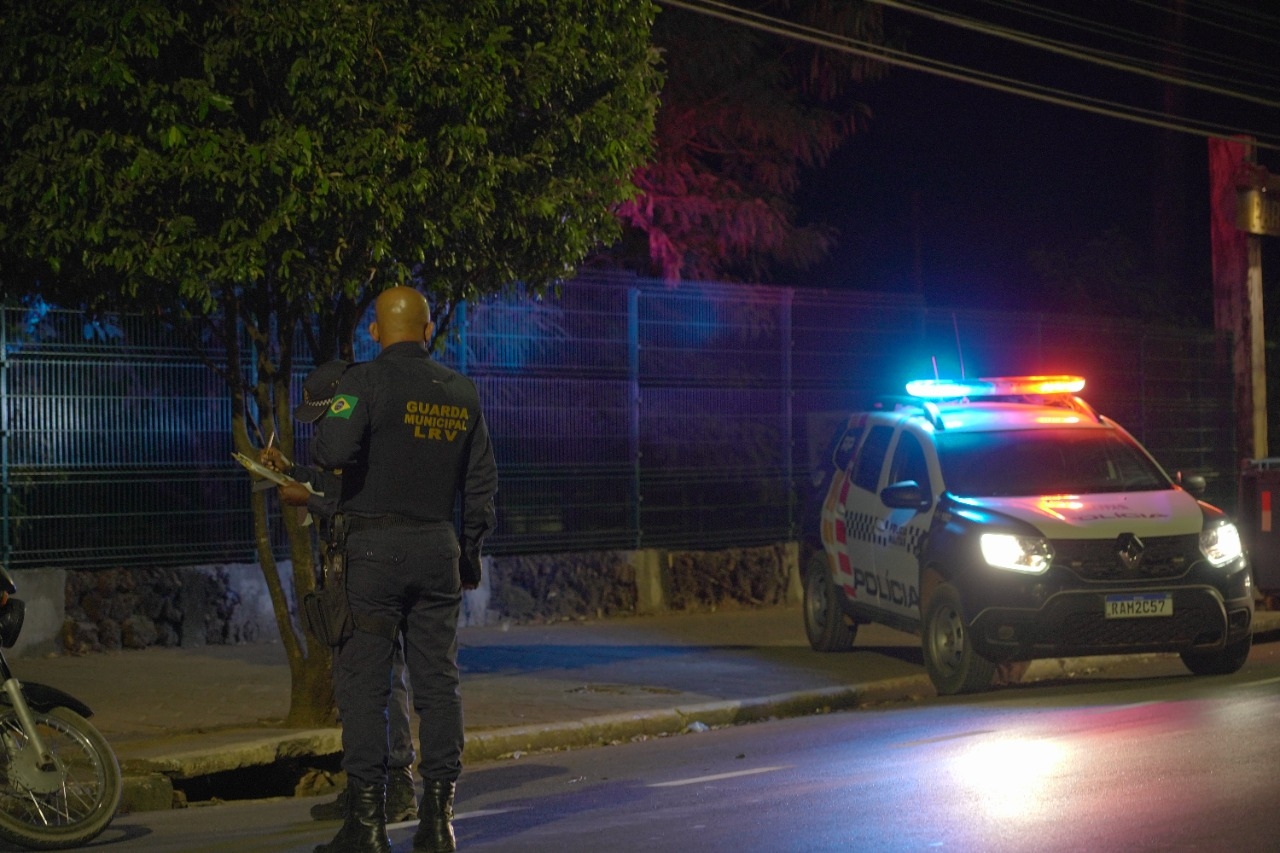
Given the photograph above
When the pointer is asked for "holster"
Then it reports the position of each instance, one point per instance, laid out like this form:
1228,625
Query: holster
327,610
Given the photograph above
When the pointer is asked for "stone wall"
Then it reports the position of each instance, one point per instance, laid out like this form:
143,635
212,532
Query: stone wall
194,606
229,604
550,587
710,580
120,608
601,584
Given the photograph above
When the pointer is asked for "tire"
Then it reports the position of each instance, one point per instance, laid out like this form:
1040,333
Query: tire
65,809
1222,662
954,666
828,629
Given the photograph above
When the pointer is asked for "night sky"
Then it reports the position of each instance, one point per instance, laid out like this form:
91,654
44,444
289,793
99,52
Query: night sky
952,185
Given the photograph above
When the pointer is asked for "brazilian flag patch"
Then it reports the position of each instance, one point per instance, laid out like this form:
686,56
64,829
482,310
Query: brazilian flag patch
342,406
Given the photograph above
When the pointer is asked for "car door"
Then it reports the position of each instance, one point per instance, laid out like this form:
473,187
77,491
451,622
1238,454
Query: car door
849,515
899,533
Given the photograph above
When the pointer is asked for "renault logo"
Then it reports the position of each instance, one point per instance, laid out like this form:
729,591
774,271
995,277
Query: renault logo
1129,549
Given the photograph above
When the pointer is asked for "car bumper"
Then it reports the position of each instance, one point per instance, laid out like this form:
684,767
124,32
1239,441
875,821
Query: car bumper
1074,622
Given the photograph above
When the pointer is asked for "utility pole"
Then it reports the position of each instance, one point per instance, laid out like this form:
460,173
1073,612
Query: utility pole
1245,205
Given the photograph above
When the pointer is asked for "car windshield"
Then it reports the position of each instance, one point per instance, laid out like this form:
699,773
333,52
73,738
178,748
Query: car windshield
1024,463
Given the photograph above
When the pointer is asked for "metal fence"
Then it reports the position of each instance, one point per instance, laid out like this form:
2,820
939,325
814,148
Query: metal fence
624,413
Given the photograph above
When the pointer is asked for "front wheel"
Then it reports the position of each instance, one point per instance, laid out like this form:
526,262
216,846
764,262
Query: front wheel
60,807
954,666
1222,662
825,624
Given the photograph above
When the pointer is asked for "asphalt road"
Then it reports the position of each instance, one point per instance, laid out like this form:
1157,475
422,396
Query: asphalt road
1142,757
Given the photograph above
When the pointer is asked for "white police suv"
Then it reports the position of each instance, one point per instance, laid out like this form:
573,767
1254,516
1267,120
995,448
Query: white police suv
1005,520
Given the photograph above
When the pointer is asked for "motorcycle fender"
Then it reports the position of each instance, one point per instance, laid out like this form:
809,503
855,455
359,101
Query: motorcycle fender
42,697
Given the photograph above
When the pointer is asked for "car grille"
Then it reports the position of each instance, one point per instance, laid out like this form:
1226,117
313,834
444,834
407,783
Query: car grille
1186,626
1099,559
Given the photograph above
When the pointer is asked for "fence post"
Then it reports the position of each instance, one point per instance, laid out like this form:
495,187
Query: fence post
788,397
6,546
633,374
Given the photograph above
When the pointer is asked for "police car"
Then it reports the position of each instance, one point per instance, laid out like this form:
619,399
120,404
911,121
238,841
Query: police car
1004,520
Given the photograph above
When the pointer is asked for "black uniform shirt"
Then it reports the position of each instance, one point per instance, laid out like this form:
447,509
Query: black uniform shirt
408,436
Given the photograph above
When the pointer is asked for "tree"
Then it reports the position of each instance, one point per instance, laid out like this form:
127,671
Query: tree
258,169
1108,272
743,113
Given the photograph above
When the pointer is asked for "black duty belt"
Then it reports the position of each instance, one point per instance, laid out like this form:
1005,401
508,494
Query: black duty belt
389,521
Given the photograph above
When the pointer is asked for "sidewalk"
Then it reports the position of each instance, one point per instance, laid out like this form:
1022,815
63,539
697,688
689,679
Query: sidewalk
177,714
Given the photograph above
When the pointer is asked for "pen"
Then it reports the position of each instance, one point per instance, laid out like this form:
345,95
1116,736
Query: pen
284,459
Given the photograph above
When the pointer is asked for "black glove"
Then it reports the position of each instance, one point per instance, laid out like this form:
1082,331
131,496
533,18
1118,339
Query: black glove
469,567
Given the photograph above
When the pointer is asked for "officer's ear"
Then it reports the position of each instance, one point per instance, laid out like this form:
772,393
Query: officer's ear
428,331
373,331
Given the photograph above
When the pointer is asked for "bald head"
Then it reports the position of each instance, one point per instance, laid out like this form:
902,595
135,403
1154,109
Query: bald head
401,314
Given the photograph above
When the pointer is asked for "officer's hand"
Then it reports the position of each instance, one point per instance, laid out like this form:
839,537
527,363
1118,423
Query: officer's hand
469,568
274,459
293,494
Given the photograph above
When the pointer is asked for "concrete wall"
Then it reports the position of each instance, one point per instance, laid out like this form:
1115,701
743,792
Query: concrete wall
43,590
82,612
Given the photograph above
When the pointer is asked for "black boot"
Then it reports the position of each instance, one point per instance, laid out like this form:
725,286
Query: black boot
402,800
335,809
365,829
435,826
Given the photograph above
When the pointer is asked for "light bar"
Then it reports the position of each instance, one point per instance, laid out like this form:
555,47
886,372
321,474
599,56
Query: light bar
1037,384
938,389
942,389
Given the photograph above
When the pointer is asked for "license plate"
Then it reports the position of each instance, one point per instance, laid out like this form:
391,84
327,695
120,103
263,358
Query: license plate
1139,605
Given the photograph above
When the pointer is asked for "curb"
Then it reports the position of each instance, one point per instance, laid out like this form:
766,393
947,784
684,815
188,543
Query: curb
248,753
148,783
613,728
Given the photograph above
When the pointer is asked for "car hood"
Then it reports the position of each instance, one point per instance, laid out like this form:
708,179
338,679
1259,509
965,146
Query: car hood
1168,512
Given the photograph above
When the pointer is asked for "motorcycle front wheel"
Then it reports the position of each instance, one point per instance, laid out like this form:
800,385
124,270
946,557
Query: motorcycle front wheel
52,809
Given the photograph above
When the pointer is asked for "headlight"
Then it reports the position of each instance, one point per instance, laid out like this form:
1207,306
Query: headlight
1221,543
1018,553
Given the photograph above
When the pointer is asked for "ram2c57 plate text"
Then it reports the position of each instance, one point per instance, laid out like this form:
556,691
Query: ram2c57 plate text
1139,605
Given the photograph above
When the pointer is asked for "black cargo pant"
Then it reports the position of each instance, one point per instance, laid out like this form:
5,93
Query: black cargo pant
401,575
400,712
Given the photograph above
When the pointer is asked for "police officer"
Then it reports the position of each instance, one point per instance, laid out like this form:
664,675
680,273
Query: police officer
321,500
409,437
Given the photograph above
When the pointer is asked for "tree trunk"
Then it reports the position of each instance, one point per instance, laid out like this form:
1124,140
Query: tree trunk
311,701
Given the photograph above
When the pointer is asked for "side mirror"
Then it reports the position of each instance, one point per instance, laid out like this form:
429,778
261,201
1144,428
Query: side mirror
906,495
1193,483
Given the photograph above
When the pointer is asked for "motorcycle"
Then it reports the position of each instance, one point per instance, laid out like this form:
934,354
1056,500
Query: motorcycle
59,778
